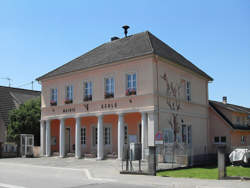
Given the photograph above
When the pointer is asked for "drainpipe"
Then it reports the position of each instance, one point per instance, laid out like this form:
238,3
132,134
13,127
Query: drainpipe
156,57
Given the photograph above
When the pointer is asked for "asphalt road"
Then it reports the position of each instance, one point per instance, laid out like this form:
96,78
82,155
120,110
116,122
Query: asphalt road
28,176
74,173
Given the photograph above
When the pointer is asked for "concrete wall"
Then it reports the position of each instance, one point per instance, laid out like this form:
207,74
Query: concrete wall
193,113
143,68
218,127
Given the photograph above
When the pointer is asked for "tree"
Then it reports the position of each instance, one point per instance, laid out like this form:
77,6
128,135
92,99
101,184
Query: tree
173,101
25,120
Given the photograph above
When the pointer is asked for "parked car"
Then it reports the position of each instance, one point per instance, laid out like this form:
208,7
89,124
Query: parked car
240,156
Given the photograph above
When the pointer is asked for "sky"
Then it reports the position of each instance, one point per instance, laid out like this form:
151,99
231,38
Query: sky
38,36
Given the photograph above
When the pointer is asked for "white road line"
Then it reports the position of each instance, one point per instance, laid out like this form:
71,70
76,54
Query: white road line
87,172
10,186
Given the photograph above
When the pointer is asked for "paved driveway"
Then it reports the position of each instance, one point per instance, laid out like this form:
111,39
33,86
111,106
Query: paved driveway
77,173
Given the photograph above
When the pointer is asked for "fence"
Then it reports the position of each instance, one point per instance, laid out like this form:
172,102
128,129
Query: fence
8,150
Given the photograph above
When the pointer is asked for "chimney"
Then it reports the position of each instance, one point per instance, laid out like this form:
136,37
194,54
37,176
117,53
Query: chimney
125,27
224,100
114,38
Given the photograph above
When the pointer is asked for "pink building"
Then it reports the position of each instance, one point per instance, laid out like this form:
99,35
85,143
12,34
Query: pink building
115,94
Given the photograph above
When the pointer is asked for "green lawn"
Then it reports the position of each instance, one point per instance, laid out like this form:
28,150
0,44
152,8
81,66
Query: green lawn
206,172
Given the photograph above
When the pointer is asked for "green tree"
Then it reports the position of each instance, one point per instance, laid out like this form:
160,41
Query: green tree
25,120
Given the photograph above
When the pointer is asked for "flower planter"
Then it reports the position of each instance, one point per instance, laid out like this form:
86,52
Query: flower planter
68,101
53,103
108,95
130,92
88,98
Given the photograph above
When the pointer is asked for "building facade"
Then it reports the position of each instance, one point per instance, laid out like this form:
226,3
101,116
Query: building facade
229,125
117,94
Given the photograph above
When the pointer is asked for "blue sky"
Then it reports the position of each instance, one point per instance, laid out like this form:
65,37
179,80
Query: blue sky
36,37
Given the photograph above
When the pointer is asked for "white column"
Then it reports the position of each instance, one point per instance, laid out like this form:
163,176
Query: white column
144,132
62,138
78,138
152,127
100,138
42,138
120,135
48,137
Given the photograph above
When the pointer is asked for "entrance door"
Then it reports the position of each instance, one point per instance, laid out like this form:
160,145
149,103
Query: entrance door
67,140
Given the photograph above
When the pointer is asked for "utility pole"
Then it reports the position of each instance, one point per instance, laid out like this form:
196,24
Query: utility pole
32,85
7,78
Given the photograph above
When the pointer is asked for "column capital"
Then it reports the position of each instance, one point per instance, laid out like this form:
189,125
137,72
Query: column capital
121,114
99,115
48,120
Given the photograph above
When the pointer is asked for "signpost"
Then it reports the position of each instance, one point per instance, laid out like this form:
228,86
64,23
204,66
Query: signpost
158,138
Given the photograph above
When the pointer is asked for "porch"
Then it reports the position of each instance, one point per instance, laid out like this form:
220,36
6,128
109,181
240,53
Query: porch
100,136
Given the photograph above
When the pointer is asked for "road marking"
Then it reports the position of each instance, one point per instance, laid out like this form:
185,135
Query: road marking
10,186
87,172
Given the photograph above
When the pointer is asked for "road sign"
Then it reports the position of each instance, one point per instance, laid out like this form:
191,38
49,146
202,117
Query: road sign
158,138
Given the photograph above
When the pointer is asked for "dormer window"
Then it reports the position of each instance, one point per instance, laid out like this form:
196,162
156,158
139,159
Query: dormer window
87,91
53,97
131,84
69,94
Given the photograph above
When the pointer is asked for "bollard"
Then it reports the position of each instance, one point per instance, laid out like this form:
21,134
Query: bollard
221,162
152,160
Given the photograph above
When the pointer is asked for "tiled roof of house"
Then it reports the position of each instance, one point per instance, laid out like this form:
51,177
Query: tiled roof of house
11,98
125,48
231,107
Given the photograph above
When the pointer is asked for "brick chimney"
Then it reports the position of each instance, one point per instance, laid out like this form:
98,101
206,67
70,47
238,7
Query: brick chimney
224,100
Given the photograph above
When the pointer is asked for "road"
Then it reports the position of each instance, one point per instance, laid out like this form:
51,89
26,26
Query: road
29,176
74,173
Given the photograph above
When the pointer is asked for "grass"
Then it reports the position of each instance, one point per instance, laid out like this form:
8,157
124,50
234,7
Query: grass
206,172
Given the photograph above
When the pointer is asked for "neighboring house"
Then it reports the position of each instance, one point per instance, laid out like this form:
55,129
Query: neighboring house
11,98
229,124
115,94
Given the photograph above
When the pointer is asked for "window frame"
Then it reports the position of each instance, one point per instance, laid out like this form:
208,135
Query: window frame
243,139
89,89
53,101
132,90
188,90
69,100
108,94
83,138
109,143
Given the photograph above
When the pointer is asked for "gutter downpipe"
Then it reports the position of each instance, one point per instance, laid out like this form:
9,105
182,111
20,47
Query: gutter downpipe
156,57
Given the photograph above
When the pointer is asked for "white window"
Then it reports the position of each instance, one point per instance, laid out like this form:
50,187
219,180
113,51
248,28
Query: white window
243,139
53,97
109,87
87,91
188,91
69,94
220,139
131,84
107,135
83,135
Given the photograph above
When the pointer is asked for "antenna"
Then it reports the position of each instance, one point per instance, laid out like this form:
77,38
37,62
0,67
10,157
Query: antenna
7,78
